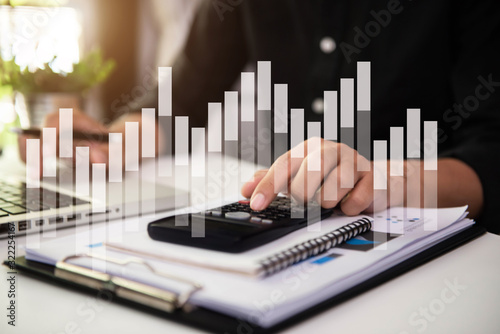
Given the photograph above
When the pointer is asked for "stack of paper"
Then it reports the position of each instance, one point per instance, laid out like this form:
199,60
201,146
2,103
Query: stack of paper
231,282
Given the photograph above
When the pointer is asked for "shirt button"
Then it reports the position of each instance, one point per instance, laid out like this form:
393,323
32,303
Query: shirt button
327,45
318,105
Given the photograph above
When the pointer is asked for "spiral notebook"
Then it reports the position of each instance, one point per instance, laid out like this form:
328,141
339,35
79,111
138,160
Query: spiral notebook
262,264
395,237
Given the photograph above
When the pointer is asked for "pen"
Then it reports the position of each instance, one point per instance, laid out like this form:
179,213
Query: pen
78,135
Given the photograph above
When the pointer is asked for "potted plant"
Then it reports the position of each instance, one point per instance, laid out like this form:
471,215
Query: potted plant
43,90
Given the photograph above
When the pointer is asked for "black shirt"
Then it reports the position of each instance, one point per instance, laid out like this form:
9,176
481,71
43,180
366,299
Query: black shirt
441,56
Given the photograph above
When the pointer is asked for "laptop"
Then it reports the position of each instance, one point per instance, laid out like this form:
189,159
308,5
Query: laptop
55,206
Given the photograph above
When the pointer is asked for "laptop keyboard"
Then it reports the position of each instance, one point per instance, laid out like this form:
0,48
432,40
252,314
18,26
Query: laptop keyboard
16,199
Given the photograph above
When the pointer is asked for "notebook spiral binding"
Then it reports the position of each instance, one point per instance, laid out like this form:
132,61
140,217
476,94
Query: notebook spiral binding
314,246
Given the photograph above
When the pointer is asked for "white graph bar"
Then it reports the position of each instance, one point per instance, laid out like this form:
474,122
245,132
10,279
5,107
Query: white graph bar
313,161
380,158
297,129
198,202
198,152
280,125
49,142
413,133
280,108
183,180
314,219
82,186
98,187
430,199
66,133
148,132
164,91
297,137
397,151
413,179
131,146
231,116
364,116
331,193
380,188
347,129
264,85
313,165
396,166
148,205
331,115
181,140
247,97
430,173
32,163
165,117
347,103
115,157
413,190
165,168
129,188
214,127
247,144
115,229
364,86
430,145
264,138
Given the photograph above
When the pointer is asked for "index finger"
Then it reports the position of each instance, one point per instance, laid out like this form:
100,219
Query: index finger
277,178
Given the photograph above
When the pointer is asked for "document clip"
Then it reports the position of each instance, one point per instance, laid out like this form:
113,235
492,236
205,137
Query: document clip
158,298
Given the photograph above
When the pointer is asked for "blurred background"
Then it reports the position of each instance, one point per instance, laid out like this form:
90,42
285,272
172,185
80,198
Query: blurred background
96,55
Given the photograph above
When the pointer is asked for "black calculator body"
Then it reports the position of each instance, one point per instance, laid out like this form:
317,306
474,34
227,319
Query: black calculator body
235,227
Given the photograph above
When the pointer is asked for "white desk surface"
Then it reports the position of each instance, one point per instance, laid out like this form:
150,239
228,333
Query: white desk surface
419,301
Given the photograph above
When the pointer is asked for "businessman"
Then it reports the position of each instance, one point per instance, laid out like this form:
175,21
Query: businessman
439,56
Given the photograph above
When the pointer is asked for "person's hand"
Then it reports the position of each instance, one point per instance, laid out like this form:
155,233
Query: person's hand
292,175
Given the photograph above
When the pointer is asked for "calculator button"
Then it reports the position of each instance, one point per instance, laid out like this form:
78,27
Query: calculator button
267,221
255,219
239,215
244,202
216,213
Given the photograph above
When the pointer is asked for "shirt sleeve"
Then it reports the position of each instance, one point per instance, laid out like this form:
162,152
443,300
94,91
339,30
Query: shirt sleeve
474,120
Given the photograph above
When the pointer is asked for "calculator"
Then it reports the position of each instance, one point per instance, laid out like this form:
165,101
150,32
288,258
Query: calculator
235,228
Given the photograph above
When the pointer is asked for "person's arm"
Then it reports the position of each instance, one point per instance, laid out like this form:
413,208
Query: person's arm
457,183
473,122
